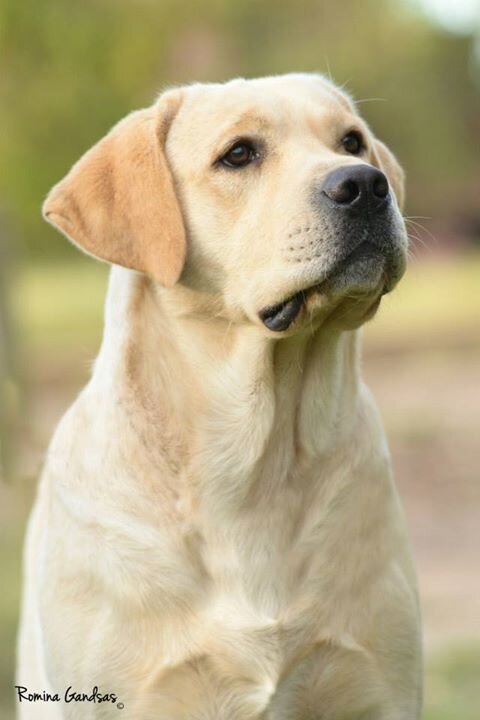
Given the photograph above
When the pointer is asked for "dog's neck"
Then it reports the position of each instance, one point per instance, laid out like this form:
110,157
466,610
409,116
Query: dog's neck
229,394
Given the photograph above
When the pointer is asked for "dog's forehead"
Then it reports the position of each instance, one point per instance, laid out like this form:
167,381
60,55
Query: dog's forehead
261,101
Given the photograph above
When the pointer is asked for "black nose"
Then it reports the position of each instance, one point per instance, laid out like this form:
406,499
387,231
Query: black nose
360,187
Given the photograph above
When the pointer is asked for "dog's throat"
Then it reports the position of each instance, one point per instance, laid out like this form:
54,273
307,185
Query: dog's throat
280,317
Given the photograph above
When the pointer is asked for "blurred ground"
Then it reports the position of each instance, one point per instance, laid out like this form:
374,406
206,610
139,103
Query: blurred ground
421,359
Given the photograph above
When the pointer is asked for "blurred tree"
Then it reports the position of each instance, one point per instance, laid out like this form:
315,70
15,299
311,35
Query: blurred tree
70,70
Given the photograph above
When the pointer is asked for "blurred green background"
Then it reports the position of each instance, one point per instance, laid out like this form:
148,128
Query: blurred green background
69,70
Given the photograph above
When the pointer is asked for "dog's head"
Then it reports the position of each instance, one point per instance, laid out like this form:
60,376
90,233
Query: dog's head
271,195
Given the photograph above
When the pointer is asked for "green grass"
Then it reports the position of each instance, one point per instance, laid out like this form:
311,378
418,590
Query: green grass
452,685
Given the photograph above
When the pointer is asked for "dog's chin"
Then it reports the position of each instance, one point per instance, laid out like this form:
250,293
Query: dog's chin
348,296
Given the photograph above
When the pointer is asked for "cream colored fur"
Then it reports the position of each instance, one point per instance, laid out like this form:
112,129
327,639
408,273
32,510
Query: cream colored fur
216,534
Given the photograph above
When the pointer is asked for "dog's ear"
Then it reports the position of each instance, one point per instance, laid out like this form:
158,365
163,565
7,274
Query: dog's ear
118,201
386,161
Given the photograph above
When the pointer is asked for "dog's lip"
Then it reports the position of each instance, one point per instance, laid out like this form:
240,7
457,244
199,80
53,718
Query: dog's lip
281,316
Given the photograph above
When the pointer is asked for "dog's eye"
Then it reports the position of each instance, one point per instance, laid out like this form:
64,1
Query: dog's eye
239,155
353,143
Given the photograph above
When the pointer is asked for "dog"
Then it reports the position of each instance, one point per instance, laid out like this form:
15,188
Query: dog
217,534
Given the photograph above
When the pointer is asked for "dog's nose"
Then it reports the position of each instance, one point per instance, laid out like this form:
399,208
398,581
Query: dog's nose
360,187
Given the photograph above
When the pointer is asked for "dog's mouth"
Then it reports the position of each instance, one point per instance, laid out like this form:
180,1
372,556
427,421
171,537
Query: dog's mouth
281,316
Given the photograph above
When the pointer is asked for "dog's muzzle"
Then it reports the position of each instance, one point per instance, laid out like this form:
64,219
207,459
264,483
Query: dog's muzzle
357,201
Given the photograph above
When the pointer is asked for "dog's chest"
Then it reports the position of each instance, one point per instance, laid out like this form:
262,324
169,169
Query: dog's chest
257,647
259,637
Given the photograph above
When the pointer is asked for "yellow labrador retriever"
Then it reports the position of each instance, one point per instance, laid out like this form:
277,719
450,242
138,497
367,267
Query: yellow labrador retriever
217,535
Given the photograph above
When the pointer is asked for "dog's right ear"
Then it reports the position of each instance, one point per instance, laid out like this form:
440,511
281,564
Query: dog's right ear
118,201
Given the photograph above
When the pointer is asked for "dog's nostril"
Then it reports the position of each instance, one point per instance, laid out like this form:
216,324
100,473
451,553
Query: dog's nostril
343,193
380,187
347,192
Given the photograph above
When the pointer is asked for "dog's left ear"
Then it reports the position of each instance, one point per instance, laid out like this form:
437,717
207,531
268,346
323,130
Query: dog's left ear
386,161
118,201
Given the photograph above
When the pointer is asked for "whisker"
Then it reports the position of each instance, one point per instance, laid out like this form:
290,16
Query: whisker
372,99
412,253
327,62
417,242
344,85
417,239
417,217
423,229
